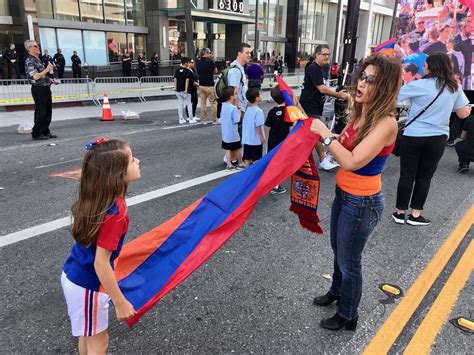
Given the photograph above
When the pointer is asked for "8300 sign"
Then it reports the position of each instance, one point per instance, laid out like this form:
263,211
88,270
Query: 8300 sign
231,5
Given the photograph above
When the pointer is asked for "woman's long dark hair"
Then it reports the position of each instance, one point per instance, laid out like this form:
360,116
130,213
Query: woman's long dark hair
441,69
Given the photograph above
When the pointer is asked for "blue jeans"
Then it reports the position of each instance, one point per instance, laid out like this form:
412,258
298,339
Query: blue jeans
353,218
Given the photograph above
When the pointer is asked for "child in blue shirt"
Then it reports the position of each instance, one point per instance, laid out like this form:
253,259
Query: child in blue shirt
253,136
230,117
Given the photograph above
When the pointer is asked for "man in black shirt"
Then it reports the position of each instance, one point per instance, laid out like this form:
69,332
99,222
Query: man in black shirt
141,65
433,45
182,85
11,57
464,45
60,62
76,65
206,68
314,91
37,73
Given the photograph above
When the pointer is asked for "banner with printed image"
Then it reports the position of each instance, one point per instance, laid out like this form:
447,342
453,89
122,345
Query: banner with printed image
430,26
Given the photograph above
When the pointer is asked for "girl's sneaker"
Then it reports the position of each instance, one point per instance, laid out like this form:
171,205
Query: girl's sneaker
230,168
278,190
240,167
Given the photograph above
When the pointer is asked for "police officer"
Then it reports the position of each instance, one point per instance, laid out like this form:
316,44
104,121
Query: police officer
46,59
76,65
37,74
11,57
126,65
60,62
155,65
141,65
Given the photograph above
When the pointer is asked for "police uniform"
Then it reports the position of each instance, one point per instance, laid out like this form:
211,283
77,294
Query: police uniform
141,66
47,59
60,63
155,66
11,56
41,92
76,66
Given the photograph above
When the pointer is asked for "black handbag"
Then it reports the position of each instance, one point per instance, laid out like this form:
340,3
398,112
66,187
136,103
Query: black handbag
401,127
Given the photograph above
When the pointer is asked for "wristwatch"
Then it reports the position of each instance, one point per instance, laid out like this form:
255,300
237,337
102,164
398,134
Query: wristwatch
329,140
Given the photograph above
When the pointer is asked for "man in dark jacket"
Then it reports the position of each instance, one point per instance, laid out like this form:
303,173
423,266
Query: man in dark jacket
46,59
141,65
155,65
11,57
60,62
76,65
126,65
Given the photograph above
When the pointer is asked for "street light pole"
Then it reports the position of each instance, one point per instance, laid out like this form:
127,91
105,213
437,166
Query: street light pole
188,19
256,30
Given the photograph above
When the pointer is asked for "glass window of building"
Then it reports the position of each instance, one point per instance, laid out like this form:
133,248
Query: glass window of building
4,8
66,10
114,11
136,44
69,41
95,47
135,12
176,39
91,10
39,8
116,45
48,40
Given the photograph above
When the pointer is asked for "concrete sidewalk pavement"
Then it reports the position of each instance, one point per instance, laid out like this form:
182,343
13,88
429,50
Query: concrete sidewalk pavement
78,112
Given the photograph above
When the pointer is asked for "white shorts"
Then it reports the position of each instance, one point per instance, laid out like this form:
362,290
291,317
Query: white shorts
87,309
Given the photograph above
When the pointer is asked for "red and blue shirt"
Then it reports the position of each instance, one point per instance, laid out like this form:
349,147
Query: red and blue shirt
79,265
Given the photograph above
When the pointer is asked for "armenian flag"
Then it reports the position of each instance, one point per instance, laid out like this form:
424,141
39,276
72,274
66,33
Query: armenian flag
386,45
292,112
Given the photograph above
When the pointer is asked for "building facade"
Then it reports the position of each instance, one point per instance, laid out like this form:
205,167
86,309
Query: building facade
101,31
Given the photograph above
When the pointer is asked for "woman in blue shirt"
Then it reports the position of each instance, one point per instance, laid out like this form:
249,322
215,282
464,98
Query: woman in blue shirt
424,141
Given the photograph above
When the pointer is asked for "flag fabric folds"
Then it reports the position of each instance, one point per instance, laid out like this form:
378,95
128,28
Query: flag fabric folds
153,264
292,111
385,45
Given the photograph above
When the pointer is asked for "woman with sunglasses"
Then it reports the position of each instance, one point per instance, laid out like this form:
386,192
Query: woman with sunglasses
361,150
424,140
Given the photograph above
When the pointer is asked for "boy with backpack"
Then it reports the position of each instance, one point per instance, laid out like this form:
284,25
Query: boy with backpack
277,128
230,117
253,136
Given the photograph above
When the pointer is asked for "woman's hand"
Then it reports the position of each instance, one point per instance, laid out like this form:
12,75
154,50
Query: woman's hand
319,128
124,310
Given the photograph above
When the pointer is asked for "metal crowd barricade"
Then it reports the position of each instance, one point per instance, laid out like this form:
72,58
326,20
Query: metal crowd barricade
118,87
156,85
15,92
81,89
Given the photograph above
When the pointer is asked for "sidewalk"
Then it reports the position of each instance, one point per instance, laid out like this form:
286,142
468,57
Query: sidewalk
72,113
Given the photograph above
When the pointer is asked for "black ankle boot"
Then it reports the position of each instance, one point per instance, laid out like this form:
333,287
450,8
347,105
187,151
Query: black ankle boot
336,322
325,300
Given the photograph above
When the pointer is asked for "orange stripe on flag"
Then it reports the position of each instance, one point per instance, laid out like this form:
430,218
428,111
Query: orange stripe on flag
135,252
94,320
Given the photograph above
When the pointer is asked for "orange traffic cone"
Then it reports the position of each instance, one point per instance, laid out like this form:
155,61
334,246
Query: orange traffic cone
106,110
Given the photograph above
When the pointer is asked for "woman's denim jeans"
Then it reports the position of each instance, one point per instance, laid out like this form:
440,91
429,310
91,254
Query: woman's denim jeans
353,218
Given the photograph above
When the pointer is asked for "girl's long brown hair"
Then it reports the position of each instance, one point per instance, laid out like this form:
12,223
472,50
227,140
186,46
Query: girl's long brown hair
441,69
103,179
383,95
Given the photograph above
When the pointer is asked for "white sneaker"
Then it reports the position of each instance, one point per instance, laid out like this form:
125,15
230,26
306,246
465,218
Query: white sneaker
197,119
182,121
326,164
331,159
191,120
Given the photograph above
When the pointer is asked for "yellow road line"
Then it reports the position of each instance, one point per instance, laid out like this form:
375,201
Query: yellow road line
441,308
393,326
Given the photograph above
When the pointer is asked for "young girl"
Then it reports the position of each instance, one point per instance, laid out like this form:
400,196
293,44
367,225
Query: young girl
361,150
100,222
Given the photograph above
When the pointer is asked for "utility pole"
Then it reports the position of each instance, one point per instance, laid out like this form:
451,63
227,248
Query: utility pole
256,30
394,19
350,32
335,52
188,19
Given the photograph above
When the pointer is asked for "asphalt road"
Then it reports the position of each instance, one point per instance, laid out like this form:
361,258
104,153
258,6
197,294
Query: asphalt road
253,296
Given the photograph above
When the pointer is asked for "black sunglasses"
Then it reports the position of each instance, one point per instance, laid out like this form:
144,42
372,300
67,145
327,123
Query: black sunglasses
369,79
